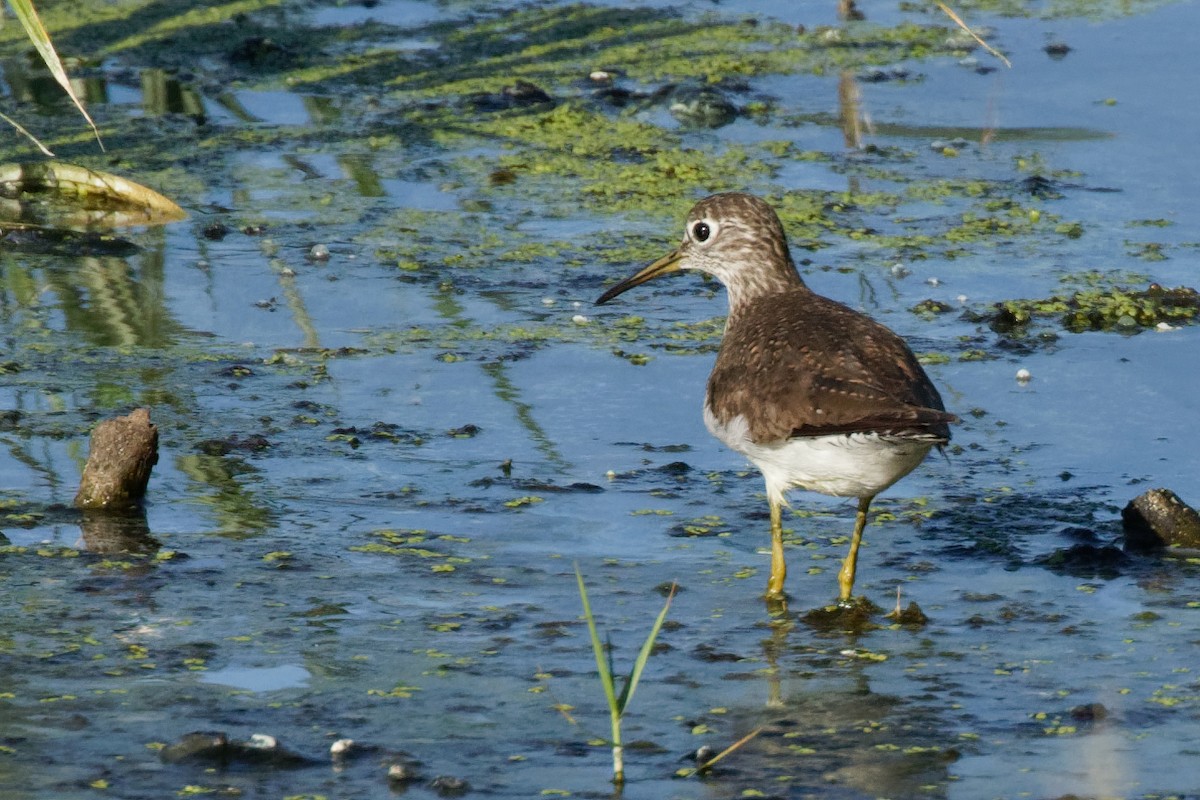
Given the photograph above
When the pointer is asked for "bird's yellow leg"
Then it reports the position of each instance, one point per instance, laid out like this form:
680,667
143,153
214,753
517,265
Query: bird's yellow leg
778,564
846,576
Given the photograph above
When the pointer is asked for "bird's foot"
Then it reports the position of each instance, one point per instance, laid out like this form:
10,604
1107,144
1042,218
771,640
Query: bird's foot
777,603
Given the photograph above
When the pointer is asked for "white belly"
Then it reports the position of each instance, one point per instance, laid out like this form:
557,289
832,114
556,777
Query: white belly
842,465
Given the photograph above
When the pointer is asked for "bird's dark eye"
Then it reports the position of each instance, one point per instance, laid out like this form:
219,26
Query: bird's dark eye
701,231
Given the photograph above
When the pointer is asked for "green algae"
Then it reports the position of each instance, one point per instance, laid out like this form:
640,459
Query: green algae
576,157
88,25
614,164
1105,307
555,47
1053,9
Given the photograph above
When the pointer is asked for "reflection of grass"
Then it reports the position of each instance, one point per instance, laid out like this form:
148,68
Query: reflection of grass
618,703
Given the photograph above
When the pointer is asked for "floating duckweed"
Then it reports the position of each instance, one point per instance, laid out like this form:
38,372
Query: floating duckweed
1102,308
401,691
524,501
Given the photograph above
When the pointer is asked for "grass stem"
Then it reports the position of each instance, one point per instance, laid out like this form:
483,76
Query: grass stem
618,702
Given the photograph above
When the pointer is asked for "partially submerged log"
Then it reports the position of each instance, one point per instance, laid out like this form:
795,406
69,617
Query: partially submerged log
123,452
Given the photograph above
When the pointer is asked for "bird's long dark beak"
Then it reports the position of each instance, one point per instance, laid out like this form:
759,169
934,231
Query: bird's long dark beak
665,265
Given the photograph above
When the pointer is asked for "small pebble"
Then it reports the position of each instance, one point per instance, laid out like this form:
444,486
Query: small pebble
580,319
319,252
1023,375
600,76
398,773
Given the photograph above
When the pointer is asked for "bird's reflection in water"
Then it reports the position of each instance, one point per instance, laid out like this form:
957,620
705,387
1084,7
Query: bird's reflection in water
825,732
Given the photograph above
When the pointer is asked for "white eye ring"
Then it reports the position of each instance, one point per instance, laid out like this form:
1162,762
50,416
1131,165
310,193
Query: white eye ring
702,230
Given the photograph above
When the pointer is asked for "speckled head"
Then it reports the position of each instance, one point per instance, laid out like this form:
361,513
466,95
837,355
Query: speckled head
738,239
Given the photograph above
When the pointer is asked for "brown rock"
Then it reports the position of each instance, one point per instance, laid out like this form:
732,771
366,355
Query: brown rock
123,451
1158,518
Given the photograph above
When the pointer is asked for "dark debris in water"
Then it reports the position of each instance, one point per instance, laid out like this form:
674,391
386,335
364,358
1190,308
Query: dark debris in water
1003,527
1085,560
73,244
449,786
251,443
536,485
911,616
520,94
858,615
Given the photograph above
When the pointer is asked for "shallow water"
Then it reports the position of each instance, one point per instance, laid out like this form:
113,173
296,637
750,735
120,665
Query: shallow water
394,562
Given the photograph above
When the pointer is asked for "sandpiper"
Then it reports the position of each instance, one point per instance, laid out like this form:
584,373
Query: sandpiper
815,394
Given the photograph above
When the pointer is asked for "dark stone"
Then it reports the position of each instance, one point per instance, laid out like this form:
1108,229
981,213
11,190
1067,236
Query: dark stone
1057,50
196,746
1158,518
1041,187
215,747
215,231
701,107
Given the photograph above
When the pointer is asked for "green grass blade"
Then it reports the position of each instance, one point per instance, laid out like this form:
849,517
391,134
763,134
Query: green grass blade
27,14
602,660
635,674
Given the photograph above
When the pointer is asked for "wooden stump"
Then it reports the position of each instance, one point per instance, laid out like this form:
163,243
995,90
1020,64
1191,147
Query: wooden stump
123,452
